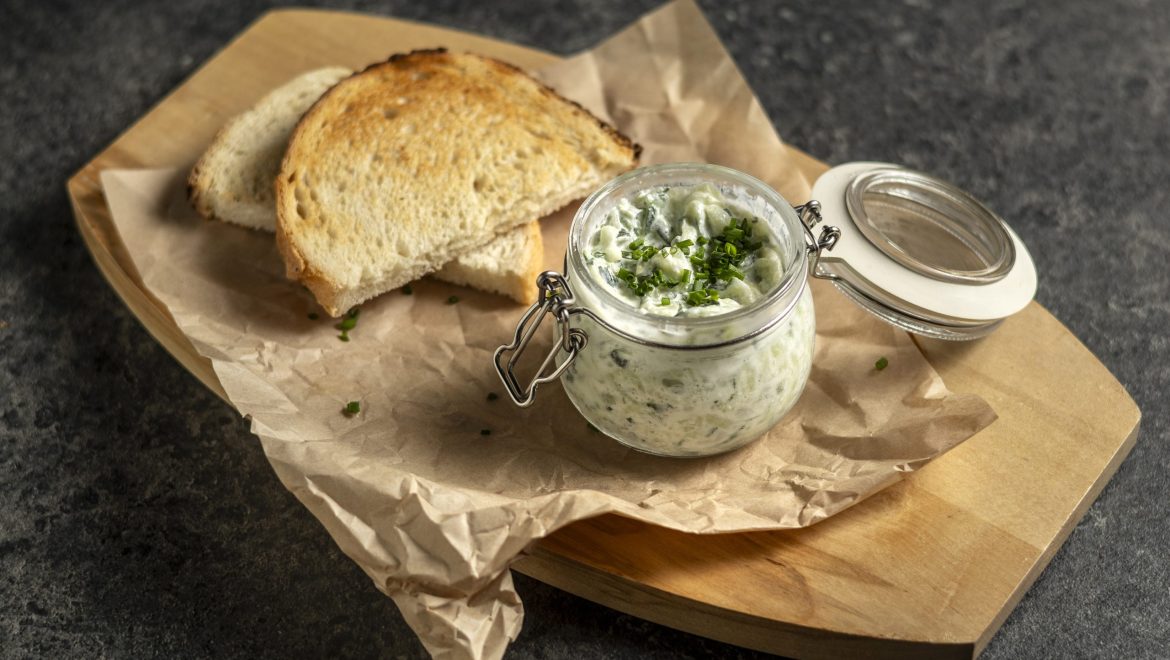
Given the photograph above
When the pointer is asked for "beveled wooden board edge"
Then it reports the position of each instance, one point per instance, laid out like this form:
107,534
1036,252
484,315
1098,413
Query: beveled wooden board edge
1066,528
153,315
706,620
641,600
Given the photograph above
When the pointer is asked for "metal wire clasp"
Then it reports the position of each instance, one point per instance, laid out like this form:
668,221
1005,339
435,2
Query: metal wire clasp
556,299
810,217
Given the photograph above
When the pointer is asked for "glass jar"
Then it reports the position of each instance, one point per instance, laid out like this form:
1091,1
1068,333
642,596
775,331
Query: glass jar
915,251
677,386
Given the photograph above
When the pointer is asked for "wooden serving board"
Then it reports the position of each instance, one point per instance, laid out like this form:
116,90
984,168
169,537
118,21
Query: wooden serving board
929,567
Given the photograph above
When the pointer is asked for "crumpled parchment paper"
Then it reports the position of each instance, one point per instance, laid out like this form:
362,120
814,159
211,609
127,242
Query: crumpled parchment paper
432,509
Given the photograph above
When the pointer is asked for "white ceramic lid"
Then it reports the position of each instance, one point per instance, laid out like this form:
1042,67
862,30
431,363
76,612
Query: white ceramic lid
920,253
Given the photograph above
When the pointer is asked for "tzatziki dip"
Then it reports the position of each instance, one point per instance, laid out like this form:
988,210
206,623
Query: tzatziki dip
702,326
684,251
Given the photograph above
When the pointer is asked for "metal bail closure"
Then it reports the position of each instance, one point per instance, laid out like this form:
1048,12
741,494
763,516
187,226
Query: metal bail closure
555,299
810,217
921,253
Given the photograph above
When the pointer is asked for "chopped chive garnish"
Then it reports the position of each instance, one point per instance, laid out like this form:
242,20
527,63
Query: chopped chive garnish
882,363
352,408
353,313
452,300
407,290
347,324
715,263
344,336
702,297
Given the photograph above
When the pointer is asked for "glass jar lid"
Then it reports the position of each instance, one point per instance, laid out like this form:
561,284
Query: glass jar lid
921,253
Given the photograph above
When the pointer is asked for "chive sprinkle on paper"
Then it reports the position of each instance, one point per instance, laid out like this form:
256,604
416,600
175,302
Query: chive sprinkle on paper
882,363
348,323
352,408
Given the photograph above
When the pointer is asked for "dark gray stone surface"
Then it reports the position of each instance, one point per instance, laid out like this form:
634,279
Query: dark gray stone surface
138,517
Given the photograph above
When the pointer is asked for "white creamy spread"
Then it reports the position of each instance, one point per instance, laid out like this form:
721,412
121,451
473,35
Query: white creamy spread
655,251
684,251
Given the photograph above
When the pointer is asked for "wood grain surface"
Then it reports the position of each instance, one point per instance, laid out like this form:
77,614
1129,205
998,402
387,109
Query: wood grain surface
928,568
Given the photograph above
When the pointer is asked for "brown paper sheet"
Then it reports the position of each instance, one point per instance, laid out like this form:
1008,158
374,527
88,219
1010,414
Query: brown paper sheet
434,511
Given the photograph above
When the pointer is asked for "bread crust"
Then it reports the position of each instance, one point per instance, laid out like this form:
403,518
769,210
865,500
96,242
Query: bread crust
613,132
528,291
198,180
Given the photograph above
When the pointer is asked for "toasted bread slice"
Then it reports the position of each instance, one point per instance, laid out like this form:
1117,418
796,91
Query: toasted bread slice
507,265
233,181
398,169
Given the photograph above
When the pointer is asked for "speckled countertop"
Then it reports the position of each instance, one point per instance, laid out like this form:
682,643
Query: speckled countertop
139,518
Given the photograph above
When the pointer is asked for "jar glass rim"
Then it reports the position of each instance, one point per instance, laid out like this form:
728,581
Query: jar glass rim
795,255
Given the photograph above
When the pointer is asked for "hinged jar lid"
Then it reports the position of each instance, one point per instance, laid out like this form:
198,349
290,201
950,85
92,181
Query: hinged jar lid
921,253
